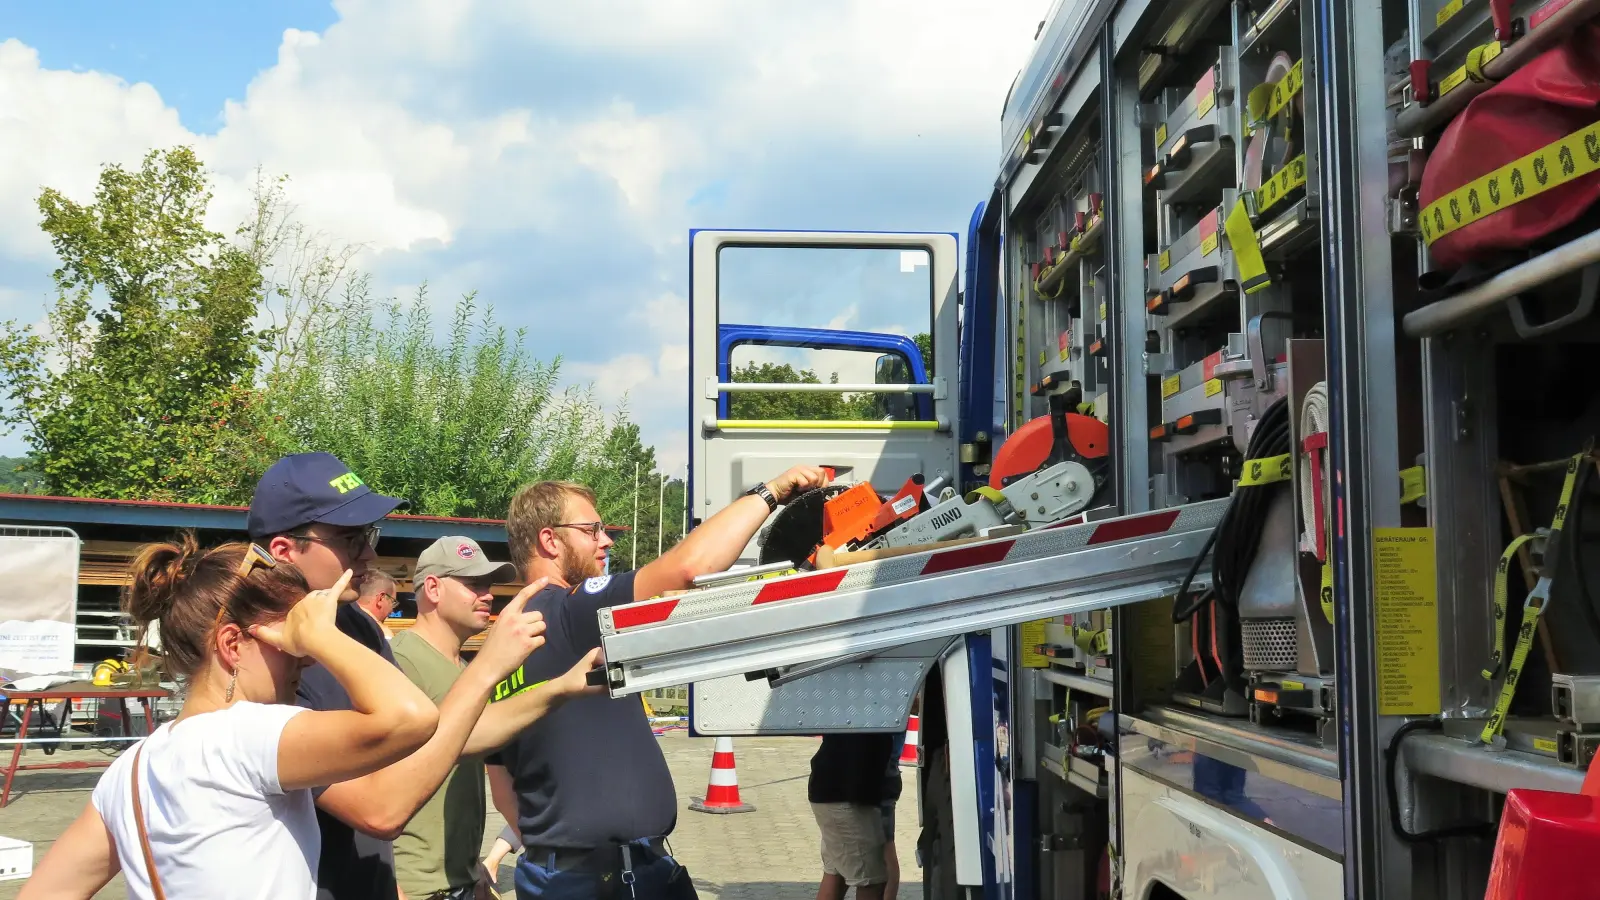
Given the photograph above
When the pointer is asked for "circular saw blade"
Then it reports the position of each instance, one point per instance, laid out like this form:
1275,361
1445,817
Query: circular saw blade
795,530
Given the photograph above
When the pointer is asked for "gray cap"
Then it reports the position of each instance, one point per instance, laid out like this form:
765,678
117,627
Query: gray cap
462,558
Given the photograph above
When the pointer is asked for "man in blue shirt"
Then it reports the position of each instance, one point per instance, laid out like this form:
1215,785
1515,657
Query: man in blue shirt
595,800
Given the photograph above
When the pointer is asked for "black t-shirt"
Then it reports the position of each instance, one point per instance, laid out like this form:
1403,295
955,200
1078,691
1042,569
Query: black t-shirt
589,773
850,768
354,866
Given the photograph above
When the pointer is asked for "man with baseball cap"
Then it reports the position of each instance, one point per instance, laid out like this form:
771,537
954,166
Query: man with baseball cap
310,510
437,853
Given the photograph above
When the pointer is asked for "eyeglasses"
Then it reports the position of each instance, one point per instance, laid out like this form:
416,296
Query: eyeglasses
594,528
352,541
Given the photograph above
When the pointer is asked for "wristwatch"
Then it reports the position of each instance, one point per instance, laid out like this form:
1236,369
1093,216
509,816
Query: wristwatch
760,489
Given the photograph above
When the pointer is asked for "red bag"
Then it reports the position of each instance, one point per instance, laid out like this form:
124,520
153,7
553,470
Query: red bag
1554,95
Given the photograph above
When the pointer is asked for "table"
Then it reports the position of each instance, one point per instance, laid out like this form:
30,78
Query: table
75,690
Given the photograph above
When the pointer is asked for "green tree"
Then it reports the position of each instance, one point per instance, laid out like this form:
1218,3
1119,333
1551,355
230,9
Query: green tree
143,386
455,426
18,475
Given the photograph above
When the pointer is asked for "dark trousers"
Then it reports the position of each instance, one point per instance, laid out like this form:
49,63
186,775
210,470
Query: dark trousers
659,879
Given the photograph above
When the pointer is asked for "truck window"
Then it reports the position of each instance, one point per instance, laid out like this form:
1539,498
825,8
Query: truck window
826,315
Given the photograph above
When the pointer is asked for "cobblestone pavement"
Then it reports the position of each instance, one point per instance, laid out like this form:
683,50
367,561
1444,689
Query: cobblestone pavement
769,854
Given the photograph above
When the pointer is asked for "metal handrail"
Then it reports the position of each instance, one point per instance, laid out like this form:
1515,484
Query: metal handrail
744,387
1484,298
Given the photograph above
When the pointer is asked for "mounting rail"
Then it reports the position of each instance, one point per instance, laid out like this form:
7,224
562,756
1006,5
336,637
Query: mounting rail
870,606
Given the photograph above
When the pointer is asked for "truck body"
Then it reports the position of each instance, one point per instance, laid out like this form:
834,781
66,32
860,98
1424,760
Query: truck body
1278,654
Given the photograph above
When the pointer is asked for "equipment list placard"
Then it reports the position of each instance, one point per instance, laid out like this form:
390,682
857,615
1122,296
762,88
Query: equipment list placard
1407,621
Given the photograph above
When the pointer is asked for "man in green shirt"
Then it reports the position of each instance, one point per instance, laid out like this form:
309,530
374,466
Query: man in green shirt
436,855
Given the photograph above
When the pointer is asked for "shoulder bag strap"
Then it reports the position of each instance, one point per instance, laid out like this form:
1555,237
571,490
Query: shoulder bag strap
144,836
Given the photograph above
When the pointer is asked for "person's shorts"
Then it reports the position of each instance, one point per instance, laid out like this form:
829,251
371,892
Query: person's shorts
852,842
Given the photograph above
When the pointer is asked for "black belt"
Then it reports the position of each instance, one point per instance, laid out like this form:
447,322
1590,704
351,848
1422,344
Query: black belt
607,858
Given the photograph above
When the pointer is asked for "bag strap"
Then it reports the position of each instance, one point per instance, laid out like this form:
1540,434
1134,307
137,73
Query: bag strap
144,836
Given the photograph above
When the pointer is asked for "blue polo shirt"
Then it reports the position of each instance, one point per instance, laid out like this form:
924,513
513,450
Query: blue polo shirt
591,772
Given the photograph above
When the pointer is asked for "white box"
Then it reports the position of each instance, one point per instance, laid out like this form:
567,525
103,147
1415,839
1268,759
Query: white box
16,859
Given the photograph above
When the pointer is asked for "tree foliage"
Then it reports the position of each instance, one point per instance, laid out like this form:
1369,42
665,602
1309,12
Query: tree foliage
454,425
144,385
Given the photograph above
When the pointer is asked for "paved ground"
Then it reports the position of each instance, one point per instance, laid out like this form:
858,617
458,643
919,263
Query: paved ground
769,854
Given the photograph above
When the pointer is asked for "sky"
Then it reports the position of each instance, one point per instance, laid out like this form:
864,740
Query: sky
551,157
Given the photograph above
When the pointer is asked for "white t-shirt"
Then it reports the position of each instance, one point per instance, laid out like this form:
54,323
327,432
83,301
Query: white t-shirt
220,826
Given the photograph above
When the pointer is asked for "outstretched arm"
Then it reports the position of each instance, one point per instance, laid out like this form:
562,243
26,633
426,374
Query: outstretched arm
714,545
381,803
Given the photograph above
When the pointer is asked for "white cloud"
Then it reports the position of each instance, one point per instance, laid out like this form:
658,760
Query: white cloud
554,155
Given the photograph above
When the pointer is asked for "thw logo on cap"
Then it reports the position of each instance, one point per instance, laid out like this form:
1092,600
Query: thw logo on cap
466,551
346,483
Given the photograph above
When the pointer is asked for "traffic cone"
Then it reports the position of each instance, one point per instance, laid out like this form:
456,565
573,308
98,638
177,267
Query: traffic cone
910,754
722,793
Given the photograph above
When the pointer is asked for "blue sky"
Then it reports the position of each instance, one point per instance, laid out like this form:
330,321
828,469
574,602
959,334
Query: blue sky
549,156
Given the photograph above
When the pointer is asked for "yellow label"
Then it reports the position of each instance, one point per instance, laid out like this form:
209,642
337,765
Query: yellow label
1065,352
1102,310
1171,386
1447,13
1288,685
1406,601
1213,387
1165,260
1161,135
1544,745
1453,80
1042,357
1207,103
1208,246
1032,634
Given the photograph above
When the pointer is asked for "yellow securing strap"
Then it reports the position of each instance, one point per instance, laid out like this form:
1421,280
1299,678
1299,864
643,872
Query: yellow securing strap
1501,571
1090,640
1550,166
1325,593
1267,100
1279,186
1267,470
1246,249
1532,607
1413,484
986,493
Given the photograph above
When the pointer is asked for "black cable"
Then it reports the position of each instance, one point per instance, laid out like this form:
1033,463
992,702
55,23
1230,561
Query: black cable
1391,756
1237,536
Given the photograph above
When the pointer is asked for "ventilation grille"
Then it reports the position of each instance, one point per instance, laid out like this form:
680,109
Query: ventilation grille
1269,645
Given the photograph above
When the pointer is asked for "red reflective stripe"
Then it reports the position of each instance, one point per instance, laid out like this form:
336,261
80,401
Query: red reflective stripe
1139,526
722,760
967,557
642,613
790,588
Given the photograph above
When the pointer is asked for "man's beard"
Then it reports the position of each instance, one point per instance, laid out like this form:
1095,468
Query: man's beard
576,568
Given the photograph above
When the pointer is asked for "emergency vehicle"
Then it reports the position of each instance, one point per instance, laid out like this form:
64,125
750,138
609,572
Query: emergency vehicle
1230,523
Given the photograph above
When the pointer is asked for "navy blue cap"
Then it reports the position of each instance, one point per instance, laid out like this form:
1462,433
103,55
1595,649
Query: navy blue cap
304,488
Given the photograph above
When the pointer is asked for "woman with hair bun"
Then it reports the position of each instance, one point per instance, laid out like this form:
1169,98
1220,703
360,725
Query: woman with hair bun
217,803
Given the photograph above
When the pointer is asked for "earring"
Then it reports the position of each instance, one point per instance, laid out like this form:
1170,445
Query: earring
228,697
